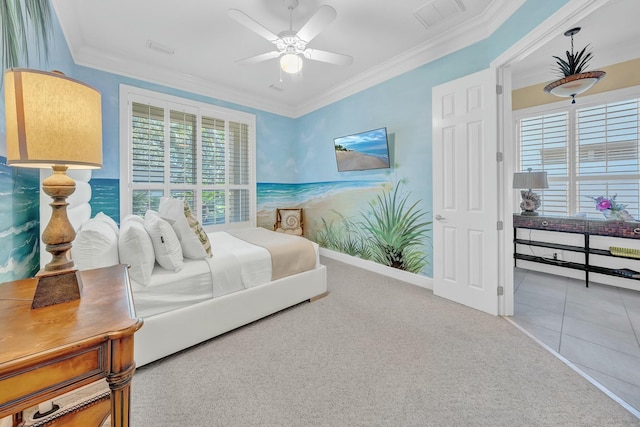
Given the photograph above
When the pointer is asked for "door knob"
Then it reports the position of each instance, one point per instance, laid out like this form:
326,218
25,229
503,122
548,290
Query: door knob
440,217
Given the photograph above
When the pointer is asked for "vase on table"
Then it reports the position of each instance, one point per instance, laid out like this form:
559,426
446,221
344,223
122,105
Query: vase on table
617,215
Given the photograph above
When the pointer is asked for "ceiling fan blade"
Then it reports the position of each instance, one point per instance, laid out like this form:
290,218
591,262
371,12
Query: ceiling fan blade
330,57
317,23
258,58
251,24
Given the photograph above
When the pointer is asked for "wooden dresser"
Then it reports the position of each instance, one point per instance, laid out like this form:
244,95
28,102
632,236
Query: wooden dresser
52,350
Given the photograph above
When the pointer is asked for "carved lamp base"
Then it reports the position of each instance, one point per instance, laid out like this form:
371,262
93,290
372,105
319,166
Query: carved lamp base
59,282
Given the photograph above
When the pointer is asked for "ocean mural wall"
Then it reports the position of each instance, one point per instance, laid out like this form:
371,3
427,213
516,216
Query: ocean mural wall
19,222
105,197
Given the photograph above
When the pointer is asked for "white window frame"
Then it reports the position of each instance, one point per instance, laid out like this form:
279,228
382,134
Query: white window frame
129,94
564,106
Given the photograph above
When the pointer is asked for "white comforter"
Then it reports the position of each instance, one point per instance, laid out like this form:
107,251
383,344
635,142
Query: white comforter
234,266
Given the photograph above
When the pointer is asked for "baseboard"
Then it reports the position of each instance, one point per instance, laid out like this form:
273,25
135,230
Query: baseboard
405,276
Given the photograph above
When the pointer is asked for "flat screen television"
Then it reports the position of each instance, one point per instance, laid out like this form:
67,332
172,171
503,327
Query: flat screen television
363,151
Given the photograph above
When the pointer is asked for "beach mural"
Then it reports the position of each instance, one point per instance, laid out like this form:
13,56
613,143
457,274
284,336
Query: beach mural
105,197
19,222
373,220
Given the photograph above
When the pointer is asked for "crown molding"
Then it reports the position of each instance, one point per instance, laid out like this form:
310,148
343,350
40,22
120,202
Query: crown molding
176,80
498,12
451,41
445,43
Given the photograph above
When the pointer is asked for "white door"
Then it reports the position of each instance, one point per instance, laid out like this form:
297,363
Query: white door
465,191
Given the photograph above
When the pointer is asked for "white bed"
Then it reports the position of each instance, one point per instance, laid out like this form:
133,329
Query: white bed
178,308
183,308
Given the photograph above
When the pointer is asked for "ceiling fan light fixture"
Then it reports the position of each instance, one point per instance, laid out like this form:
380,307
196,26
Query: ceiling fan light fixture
291,63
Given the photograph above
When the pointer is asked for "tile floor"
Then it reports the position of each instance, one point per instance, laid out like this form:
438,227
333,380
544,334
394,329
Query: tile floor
596,328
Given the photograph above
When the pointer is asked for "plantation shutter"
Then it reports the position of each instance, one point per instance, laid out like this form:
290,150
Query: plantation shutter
214,170
148,143
148,165
183,146
607,155
192,151
238,172
213,151
543,147
588,151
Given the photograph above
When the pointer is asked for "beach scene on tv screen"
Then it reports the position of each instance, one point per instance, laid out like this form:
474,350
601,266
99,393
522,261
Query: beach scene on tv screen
365,150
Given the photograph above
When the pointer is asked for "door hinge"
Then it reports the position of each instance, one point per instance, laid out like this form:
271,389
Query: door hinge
500,225
499,156
499,89
500,290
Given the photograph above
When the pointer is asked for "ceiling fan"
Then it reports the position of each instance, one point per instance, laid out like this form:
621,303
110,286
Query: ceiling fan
292,45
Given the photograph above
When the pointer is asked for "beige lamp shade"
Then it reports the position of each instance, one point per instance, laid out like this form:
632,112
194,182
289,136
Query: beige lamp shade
52,120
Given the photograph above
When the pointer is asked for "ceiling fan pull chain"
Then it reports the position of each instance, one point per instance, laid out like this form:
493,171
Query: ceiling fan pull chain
290,18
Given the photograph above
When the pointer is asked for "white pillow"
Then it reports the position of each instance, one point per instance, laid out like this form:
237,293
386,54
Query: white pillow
95,246
166,244
173,209
135,248
101,216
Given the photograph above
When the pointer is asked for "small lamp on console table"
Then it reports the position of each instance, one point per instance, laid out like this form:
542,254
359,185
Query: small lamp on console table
530,180
53,121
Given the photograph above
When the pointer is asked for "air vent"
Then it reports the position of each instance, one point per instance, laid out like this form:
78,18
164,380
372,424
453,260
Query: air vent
160,48
437,11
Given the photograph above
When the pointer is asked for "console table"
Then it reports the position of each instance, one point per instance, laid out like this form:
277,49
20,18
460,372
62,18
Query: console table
584,227
46,352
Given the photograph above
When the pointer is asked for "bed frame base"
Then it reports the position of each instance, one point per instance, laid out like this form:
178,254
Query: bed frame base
320,296
167,333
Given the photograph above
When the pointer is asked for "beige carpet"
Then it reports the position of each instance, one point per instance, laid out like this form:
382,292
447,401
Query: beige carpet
374,352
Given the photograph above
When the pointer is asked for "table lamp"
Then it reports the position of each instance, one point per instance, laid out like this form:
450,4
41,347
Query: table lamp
53,121
530,180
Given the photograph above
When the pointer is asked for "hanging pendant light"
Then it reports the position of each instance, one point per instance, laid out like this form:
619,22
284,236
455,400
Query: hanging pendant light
575,80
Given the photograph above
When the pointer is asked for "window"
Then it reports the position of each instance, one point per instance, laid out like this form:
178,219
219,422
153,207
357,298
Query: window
180,148
588,149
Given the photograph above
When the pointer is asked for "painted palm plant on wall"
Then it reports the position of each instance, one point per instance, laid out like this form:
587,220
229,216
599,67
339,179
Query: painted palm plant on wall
19,20
391,232
346,237
396,231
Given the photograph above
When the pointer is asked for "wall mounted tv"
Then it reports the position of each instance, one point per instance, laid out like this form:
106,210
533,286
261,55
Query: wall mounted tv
363,151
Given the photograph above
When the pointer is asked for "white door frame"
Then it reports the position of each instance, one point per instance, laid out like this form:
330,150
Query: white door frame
558,23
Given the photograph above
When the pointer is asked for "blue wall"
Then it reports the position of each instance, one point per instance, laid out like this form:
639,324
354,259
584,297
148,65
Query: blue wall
300,151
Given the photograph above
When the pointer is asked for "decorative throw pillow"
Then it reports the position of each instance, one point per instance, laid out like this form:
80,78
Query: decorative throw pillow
95,246
290,219
197,229
166,244
173,211
136,249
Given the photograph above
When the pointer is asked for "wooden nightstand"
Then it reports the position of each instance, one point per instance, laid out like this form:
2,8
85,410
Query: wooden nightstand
49,351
